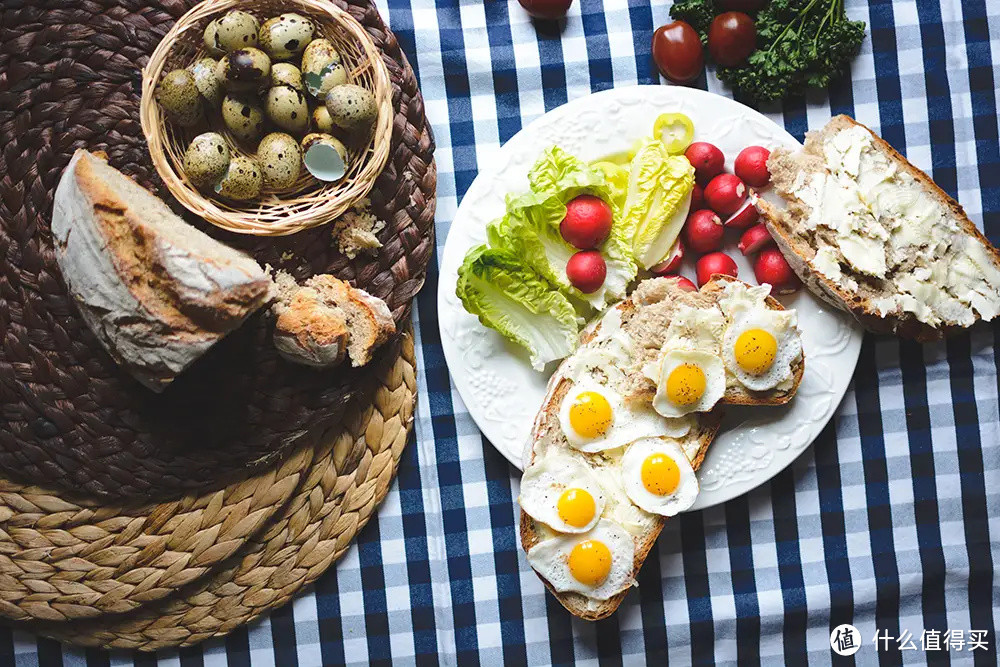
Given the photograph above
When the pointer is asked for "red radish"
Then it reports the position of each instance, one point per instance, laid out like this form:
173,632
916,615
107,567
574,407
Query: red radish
703,231
587,222
714,262
725,194
751,166
546,9
755,239
684,283
707,160
744,217
672,262
586,271
697,197
772,267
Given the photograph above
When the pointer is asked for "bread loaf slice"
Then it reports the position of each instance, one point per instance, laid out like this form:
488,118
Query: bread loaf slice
873,235
155,291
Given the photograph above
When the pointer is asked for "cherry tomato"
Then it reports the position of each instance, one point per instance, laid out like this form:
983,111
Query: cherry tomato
675,130
677,52
546,9
741,5
731,38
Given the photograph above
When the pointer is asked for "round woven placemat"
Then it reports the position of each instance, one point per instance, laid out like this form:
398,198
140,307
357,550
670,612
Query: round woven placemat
70,419
350,474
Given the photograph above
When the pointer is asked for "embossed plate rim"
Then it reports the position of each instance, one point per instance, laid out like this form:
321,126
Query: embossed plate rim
755,444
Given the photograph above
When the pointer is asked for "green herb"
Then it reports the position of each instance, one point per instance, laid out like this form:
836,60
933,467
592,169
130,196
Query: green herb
800,44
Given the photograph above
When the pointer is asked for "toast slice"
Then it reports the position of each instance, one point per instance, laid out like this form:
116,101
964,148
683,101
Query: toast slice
872,235
645,315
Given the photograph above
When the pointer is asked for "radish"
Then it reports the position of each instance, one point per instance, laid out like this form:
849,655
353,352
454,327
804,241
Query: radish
703,231
714,262
707,160
587,223
772,267
586,271
755,239
744,217
684,283
672,262
751,166
725,194
697,197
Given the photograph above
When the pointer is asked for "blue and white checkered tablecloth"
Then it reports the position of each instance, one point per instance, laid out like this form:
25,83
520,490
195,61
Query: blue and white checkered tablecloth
890,521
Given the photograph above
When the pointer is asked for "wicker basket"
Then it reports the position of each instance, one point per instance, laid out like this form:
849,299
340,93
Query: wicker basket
308,203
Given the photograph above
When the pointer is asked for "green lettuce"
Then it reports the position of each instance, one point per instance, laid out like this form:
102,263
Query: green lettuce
657,201
495,285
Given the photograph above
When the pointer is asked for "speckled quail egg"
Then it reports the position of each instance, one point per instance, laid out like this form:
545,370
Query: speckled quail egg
351,107
287,108
244,116
206,159
280,159
287,74
179,97
211,39
245,69
322,68
285,36
236,30
325,156
321,119
243,179
207,81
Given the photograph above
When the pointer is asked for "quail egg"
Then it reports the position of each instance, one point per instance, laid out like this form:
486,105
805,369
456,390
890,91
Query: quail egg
244,116
321,119
211,39
285,36
179,97
243,179
351,107
236,30
319,53
280,160
325,156
206,159
207,81
322,68
287,108
245,69
286,74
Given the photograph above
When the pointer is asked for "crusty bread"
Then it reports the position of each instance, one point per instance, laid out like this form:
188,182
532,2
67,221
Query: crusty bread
155,291
657,298
368,318
799,244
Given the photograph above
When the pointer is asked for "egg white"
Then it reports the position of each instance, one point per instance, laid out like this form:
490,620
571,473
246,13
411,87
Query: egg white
738,297
550,558
715,381
630,422
667,505
778,323
546,479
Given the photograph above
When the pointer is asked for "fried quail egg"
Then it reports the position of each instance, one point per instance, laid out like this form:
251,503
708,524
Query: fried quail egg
562,492
594,418
687,381
597,564
761,347
658,477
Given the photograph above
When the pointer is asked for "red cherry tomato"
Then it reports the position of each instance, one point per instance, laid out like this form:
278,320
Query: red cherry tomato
731,38
546,9
677,52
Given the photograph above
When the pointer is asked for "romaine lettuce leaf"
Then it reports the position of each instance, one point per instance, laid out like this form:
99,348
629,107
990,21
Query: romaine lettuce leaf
495,285
659,194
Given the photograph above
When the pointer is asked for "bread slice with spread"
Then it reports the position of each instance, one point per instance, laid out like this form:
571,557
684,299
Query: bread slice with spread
873,235
628,419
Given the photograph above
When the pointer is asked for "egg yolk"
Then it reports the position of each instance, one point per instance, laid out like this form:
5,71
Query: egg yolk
590,562
576,507
686,384
660,474
755,350
590,415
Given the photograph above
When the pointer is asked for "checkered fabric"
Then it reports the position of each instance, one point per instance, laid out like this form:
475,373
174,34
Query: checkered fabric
890,521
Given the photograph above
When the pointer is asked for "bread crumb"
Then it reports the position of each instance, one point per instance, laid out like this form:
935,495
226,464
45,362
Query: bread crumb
356,230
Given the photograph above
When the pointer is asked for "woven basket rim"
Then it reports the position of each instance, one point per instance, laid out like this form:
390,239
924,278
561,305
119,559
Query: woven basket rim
307,210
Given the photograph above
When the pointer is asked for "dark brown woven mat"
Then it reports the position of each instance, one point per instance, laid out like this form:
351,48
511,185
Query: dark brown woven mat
69,417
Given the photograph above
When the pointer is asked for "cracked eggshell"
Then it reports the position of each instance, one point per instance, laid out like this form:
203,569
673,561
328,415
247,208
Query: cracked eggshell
322,68
286,36
287,74
321,119
351,107
287,108
236,30
207,81
211,39
178,95
325,157
244,116
280,160
243,179
206,159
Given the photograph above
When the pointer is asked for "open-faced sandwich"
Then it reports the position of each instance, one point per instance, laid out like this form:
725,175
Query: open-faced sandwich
627,420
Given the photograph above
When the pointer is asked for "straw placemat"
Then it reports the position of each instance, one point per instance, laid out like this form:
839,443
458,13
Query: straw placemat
350,475
71,419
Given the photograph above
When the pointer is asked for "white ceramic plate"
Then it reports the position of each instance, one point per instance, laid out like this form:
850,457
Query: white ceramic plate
493,377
